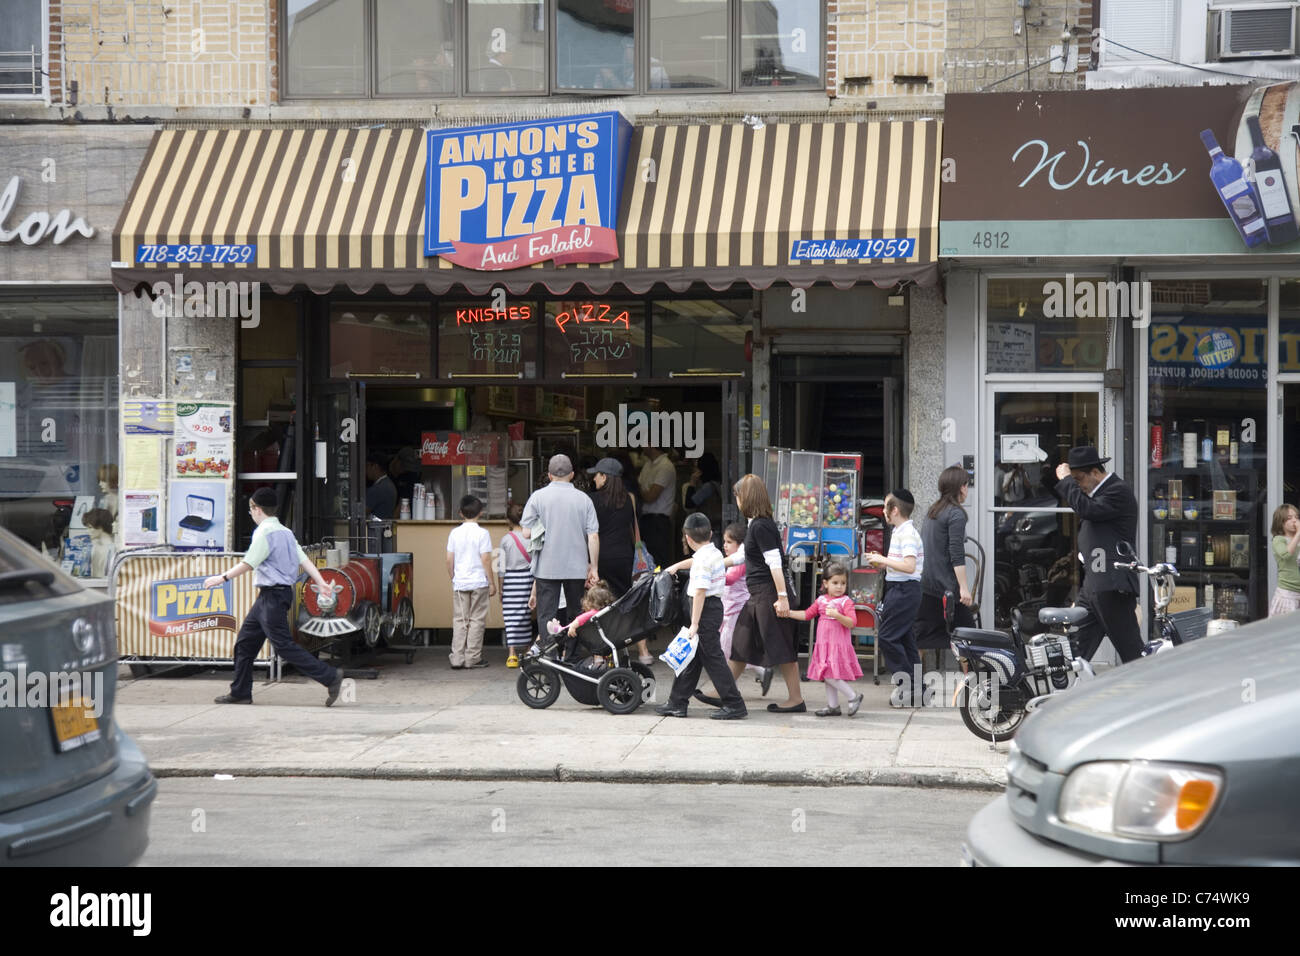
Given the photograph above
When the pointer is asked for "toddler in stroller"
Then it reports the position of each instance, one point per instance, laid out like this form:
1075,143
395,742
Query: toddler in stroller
591,661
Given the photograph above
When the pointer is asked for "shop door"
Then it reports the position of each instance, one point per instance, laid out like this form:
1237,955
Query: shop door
1029,539
338,435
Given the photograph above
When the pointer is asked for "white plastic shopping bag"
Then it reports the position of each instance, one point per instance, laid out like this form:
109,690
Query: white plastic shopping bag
681,650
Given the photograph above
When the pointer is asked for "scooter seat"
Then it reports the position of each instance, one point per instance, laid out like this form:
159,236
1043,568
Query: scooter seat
982,638
1063,615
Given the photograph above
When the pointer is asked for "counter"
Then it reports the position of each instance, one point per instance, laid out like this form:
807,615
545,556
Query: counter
427,543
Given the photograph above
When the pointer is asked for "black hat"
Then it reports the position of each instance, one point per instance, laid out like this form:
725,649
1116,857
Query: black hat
903,495
1085,456
264,498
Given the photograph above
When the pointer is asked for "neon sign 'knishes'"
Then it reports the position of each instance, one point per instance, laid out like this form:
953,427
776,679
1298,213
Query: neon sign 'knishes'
514,313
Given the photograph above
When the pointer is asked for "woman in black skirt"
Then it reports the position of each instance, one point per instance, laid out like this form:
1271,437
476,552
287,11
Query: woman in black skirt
761,637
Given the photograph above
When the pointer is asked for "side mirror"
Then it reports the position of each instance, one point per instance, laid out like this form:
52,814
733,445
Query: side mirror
1125,550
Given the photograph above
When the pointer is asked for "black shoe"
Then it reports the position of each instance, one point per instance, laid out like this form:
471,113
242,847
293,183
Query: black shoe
704,698
227,699
477,664
669,710
799,708
334,688
765,681
729,713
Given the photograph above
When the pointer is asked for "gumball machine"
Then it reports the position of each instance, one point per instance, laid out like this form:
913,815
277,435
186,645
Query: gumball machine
839,504
801,532
775,465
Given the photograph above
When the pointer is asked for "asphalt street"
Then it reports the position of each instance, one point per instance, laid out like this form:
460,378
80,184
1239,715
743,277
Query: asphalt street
297,821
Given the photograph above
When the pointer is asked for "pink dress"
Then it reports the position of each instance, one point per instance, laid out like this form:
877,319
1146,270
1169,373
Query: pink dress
733,599
832,654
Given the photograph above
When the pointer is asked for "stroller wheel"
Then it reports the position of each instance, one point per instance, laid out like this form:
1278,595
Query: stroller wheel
648,682
538,686
619,690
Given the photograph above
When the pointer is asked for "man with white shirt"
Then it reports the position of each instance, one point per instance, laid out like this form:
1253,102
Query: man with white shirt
1108,510
658,483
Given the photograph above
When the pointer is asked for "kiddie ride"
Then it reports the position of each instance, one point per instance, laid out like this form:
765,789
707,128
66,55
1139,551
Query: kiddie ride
370,604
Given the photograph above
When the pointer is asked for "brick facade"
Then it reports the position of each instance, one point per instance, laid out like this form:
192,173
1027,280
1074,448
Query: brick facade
984,51
187,53
887,48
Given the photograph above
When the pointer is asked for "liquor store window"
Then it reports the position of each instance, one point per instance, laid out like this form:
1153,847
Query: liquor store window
450,48
1048,324
1207,442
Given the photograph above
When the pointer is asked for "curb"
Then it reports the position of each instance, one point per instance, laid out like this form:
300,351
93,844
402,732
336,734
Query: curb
922,777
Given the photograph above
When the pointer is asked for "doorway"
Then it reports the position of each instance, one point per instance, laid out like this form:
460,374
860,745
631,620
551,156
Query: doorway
1033,552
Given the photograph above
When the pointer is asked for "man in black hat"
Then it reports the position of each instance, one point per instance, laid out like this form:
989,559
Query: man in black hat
1108,510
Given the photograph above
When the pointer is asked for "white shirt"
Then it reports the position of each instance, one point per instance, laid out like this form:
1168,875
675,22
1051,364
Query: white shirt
905,541
467,544
708,573
662,473
1100,483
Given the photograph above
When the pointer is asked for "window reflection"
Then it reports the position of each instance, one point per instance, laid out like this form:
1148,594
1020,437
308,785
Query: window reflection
415,46
507,46
326,47
780,43
595,47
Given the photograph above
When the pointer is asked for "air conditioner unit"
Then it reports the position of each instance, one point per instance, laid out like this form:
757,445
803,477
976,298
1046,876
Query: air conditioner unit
1257,30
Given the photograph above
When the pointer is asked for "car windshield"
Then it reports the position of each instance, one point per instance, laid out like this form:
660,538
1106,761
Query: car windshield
26,576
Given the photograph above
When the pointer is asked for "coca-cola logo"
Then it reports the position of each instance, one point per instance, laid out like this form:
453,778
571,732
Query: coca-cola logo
431,447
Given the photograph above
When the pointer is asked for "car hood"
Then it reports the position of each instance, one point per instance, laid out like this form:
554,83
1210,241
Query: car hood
1219,699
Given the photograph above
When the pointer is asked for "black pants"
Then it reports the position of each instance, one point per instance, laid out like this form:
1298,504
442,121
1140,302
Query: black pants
894,630
708,657
548,600
269,621
1114,615
657,533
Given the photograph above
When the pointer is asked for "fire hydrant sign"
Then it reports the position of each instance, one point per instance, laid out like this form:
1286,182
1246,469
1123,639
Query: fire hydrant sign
204,439
515,194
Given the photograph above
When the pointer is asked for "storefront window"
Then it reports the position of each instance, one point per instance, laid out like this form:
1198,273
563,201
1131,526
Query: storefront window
595,48
694,336
1050,324
415,46
780,43
1207,363
326,48
476,339
379,339
1288,339
58,421
507,46
594,337
688,44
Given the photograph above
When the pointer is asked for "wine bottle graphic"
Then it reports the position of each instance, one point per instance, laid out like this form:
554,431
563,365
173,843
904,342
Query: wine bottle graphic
1266,174
1236,192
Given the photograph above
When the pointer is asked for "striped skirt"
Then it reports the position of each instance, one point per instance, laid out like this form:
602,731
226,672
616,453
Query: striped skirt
516,586
1284,601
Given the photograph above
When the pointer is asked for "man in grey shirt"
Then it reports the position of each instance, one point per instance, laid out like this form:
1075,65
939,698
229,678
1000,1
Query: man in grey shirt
566,560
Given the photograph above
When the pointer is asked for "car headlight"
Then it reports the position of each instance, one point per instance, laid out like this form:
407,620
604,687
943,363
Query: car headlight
1155,801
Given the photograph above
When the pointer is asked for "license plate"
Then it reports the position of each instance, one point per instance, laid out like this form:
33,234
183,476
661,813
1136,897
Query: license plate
74,724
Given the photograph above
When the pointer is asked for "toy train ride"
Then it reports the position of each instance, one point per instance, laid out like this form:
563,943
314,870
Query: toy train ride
371,598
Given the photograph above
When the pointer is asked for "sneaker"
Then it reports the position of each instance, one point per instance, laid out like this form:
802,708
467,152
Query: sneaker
512,660
647,660
854,704
477,664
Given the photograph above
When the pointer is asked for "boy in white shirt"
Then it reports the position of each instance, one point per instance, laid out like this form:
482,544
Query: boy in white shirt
708,579
469,565
902,599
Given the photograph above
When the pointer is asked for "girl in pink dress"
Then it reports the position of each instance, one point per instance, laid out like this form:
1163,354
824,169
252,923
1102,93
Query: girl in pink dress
833,658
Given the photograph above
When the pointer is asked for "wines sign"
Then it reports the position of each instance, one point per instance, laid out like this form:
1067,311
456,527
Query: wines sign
515,194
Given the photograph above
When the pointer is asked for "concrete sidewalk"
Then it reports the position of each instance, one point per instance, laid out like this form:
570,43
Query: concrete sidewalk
426,721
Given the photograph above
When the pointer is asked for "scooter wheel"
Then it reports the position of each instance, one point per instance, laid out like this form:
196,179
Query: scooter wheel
977,700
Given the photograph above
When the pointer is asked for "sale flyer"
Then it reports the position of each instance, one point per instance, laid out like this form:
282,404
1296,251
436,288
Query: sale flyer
203,444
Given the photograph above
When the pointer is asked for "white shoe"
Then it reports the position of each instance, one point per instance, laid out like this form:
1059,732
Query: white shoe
647,660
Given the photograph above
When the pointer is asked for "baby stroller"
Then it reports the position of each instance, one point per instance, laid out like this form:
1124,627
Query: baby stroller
593,664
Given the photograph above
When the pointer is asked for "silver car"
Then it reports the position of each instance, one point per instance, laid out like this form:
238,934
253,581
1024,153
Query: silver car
1189,757
74,790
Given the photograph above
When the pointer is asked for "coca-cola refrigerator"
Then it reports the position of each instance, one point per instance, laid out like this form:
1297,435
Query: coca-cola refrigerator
453,465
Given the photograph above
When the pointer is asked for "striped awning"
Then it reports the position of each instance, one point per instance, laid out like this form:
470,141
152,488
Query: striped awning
721,205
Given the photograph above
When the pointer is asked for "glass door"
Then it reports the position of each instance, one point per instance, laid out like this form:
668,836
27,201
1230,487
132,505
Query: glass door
335,460
1028,536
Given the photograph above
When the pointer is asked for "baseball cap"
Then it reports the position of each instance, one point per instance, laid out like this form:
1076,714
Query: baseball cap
607,466
559,466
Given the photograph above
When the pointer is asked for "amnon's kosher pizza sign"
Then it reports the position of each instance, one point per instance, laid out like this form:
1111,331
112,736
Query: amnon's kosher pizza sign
184,606
511,195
